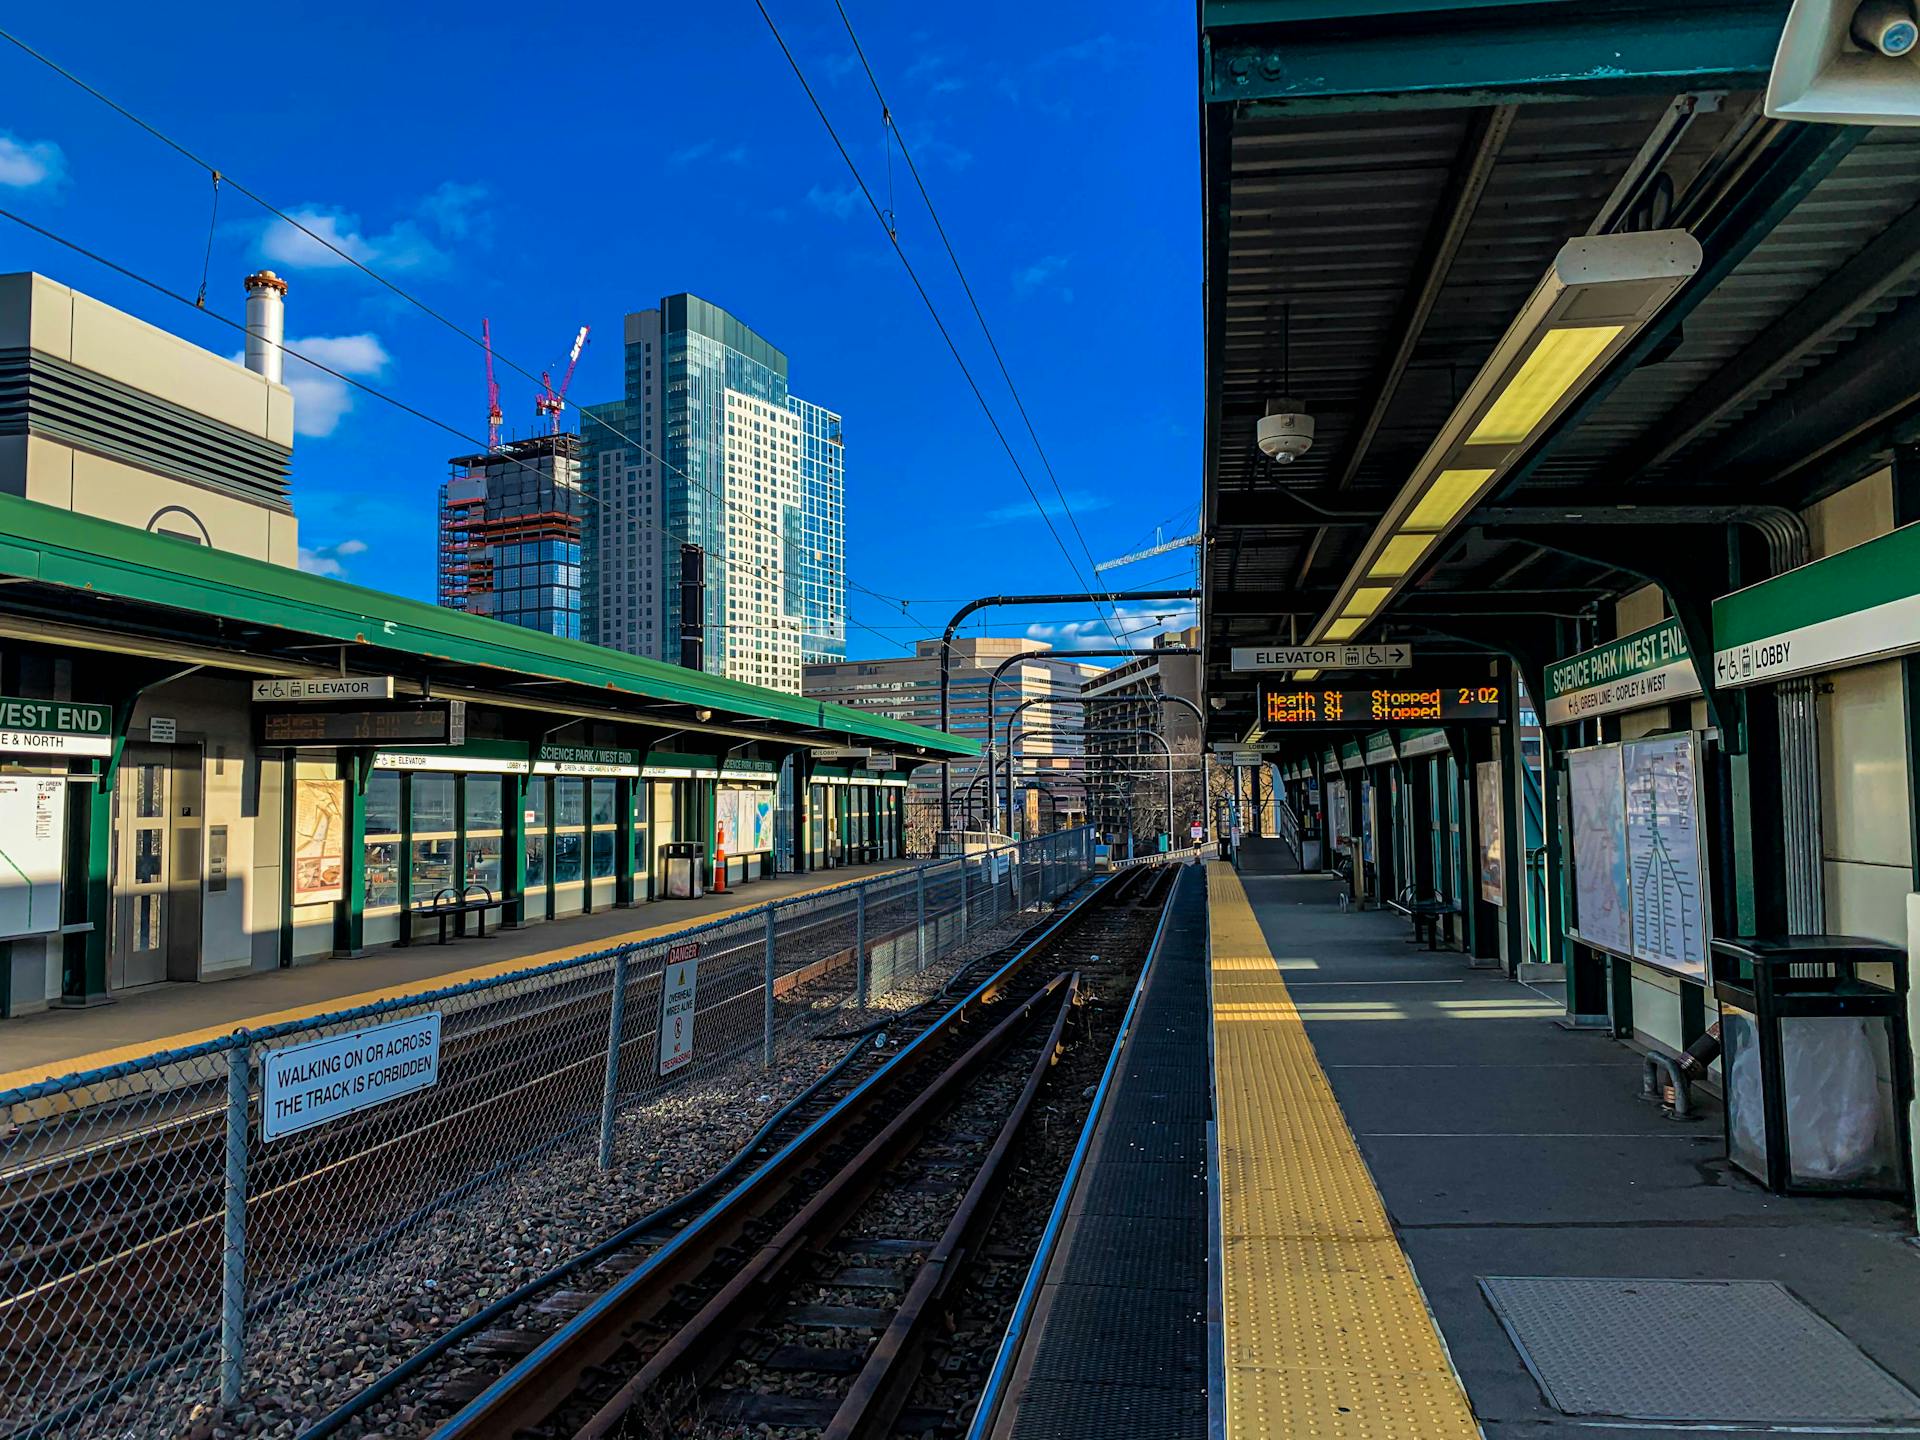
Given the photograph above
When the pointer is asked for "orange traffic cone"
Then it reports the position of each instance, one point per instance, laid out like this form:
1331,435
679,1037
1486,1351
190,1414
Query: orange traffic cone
719,886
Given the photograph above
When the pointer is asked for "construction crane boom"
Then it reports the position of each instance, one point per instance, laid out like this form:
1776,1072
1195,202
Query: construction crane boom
494,415
550,402
1147,554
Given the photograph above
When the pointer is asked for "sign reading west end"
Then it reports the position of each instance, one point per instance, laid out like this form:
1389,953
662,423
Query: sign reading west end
56,727
1852,608
1323,657
586,760
1648,667
1294,706
442,724
281,690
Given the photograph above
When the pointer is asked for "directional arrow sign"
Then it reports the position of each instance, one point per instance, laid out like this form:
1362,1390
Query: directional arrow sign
1385,656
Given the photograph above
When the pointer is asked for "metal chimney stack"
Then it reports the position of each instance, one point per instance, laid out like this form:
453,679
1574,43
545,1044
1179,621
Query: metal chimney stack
266,323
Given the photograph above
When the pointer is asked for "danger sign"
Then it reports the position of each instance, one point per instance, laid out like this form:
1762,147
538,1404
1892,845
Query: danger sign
676,1007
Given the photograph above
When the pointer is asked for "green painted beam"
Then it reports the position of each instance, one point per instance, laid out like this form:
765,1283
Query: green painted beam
57,547
1434,57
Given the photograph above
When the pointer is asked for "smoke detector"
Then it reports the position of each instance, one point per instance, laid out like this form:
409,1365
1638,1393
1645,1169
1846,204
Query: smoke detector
1285,432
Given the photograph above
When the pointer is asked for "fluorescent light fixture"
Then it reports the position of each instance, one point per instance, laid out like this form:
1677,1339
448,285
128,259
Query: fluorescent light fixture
1367,599
1304,675
1398,556
1558,362
1597,296
1451,492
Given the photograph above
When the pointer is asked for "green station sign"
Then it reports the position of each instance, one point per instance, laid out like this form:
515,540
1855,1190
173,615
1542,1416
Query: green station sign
56,727
1648,667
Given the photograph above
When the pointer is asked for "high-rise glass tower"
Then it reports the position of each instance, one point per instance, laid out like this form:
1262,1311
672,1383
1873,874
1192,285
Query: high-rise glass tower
510,534
725,459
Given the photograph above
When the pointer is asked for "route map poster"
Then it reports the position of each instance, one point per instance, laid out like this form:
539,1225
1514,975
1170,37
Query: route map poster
1602,900
1663,854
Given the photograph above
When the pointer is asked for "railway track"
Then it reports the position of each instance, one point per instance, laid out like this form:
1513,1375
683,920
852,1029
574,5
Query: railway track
109,1251
810,1299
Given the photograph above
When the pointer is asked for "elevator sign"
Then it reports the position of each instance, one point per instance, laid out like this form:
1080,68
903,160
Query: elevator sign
1322,657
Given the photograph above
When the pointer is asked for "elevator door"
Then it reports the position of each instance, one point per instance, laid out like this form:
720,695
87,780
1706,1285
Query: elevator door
142,851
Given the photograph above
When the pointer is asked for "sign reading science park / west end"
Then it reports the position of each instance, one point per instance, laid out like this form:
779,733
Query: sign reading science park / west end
1294,706
1649,667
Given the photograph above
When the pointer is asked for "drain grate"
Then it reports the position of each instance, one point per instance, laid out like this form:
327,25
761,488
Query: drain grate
1713,1350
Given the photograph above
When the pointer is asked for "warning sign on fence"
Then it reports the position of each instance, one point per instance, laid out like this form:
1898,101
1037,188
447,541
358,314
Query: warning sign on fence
306,1085
676,1007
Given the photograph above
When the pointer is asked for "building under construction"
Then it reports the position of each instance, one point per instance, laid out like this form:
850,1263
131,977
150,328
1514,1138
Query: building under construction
510,534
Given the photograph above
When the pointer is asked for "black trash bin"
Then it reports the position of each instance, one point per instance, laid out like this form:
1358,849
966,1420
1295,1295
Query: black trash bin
686,862
1817,1069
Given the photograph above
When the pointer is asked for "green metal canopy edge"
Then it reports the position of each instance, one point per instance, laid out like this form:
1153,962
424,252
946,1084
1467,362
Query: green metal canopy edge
57,547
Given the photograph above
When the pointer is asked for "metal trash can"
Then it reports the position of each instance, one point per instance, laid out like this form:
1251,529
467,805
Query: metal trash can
1816,1066
686,862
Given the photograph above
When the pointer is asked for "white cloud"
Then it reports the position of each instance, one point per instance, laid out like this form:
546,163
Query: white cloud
453,213
25,164
325,559
1136,624
320,400
1029,278
1082,502
837,203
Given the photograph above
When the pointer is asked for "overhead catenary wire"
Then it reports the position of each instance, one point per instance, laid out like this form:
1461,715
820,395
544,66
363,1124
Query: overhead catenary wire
920,288
374,391
906,153
401,292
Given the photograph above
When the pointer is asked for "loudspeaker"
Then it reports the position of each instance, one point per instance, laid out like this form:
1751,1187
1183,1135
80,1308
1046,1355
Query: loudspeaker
1848,62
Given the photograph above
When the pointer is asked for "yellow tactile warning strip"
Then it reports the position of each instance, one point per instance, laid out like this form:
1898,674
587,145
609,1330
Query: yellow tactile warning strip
1327,1335
98,1059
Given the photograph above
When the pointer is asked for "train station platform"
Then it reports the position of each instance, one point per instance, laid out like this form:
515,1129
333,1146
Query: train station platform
58,1042
1442,1214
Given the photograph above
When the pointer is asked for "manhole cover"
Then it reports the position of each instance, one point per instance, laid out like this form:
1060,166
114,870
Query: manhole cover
1725,1350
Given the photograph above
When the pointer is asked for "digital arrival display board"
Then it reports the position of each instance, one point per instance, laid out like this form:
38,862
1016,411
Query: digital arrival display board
1294,706
432,724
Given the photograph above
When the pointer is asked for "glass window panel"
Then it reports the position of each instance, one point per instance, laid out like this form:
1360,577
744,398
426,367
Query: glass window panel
566,858
570,802
603,797
603,853
146,857
383,872
432,804
537,801
150,792
383,803
483,802
146,922
536,861
432,868
483,862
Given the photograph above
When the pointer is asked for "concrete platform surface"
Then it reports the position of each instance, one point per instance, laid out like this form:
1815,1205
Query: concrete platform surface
1505,1146
165,1017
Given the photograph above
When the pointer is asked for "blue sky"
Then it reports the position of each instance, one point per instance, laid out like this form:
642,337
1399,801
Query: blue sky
549,170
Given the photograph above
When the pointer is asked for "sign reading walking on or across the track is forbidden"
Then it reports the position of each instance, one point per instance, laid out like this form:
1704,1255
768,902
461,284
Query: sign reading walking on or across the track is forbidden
676,1006
306,1085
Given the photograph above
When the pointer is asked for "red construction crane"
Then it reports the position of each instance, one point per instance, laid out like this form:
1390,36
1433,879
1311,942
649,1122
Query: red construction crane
494,415
551,402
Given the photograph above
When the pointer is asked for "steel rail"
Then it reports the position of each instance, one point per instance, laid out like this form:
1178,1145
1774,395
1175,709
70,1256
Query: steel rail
481,1415
702,1345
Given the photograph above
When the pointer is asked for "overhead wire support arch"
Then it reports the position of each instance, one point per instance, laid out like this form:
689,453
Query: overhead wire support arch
988,602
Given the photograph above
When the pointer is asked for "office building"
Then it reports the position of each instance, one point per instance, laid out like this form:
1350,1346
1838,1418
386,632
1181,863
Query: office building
510,534
709,447
1047,743
1125,699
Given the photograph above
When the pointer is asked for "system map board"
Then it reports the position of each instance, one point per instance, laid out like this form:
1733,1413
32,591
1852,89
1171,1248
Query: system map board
1295,706
1639,876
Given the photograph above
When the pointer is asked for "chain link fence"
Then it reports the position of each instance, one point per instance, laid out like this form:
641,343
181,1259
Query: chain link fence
158,1216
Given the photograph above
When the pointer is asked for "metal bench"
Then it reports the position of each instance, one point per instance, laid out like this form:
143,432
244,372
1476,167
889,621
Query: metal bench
449,905
1426,908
